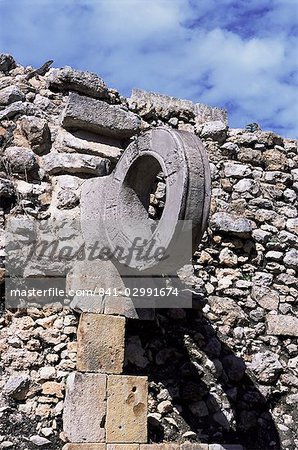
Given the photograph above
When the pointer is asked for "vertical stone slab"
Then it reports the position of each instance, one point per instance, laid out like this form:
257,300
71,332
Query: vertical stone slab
127,409
85,407
100,343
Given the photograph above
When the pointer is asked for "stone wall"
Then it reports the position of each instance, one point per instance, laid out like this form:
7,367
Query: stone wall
223,372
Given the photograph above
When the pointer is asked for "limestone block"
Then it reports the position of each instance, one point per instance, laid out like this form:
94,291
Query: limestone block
87,83
282,325
123,447
100,117
61,163
85,407
188,446
127,409
100,343
169,446
84,447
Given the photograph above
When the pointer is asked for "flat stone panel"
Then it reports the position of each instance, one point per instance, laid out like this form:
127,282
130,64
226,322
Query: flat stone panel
196,446
100,117
282,325
85,407
100,343
84,447
123,447
169,446
127,409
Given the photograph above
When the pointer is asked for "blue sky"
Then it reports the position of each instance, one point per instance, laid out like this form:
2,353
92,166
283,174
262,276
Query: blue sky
238,54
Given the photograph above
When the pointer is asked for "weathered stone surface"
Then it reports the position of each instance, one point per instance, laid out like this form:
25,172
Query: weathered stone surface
39,441
292,225
216,130
17,387
100,343
227,223
149,104
20,160
275,160
227,308
89,143
11,94
7,62
61,163
123,446
168,446
7,189
291,258
126,409
38,134
96,446
100,117
266,366
267,298
18,109
68,79
85,407
282,325
235,170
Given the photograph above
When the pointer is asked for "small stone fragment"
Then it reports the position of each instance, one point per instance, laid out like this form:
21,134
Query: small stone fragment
282,325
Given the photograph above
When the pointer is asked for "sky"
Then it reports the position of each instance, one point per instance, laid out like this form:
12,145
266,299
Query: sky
241,55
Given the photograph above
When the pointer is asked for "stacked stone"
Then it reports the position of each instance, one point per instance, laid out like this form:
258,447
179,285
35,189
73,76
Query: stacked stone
246,267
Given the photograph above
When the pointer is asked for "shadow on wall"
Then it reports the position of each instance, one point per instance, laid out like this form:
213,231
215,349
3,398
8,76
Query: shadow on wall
200,384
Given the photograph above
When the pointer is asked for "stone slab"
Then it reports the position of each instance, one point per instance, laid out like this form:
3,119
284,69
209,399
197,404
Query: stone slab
63,163
169,446
123,447
100,343
84,447
127,406
196,446
282,325
100,117
85,407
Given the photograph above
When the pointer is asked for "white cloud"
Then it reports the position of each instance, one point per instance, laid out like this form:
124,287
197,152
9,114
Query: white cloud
235,53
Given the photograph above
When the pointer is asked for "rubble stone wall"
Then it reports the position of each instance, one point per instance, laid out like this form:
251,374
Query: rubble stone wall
223,372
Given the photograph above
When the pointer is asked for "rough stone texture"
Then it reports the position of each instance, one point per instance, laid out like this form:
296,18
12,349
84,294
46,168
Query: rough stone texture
283,325
84,447
11,94
20,160
123,447
85,407
38,134
61,163
100,117
149,104
68,79
100,343
215,130
224,222
7,62
126,409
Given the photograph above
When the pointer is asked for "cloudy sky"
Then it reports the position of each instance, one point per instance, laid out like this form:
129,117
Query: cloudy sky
238,54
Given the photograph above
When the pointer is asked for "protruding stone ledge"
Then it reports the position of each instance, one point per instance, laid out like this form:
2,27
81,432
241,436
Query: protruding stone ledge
100,343
127,409
100,117
85,408
61,163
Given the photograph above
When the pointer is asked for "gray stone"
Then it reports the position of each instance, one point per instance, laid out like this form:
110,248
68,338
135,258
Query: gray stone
63,163
86,142
216,130
11,94
151,104
282,325
292,225
38,134
266,366
17,387
100,117
267,298
291,258
7,189
85,407
39,440
7,62
244,186
68,79
20,159
235,170
18,109
227,223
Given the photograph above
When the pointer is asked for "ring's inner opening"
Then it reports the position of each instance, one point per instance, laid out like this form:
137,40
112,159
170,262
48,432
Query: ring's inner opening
143,197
